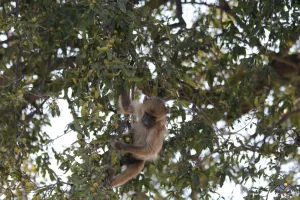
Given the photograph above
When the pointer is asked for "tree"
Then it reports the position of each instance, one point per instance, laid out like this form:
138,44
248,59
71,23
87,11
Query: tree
236,62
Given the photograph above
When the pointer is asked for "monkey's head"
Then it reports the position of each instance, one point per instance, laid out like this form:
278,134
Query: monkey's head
154,110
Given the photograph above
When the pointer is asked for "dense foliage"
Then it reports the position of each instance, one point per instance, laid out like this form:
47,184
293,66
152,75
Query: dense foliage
220,65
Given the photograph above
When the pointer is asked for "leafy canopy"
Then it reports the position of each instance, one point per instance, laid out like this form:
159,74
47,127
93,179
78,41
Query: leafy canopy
230,76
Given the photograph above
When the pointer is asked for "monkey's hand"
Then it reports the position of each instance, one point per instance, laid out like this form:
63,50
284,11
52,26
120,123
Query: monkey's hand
117,144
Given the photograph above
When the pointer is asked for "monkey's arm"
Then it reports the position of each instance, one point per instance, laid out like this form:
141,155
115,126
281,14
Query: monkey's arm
127,106
141,151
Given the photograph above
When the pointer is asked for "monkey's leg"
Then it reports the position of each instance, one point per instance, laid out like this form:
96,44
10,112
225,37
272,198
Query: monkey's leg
133,168
125,104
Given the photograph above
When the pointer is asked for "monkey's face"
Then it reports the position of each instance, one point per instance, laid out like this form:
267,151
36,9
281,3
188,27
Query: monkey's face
154,109
148,120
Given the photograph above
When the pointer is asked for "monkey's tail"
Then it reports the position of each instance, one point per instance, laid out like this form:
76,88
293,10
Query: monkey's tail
131,171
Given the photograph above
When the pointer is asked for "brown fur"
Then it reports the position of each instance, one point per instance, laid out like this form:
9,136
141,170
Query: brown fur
147,141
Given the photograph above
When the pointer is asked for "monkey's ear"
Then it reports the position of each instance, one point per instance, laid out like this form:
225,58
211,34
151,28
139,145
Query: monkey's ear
166,109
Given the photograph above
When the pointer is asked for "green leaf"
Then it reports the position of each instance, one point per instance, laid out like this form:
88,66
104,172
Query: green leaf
97,94
131,15
210,77
97,142
195,180
77,126
257,104
83,110
135,79
222,179
122,6
188,79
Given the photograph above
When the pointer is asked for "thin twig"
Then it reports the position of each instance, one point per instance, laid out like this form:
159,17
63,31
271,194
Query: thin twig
12,38
52,140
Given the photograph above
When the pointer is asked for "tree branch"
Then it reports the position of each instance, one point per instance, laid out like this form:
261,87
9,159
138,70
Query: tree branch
179,13
287,62
202,3
154,4
288,115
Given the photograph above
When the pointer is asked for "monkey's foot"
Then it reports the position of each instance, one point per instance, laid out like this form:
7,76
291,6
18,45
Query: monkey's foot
116,143
110,172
